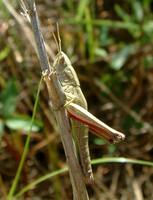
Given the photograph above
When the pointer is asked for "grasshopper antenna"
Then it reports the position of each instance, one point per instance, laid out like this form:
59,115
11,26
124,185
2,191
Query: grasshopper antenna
56,42
57,39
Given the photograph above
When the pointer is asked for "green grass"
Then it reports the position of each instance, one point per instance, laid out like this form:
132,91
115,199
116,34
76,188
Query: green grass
26,149
120,160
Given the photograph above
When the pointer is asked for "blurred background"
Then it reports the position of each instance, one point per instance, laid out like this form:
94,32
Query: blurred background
110,43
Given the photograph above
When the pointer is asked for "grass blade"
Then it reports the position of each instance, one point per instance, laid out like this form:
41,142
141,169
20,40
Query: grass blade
26,148
121,160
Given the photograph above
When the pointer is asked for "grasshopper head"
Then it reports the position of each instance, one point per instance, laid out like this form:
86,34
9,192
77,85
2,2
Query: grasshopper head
61,62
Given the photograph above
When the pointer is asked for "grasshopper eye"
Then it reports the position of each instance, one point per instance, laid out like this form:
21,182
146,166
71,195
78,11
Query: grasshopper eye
62,62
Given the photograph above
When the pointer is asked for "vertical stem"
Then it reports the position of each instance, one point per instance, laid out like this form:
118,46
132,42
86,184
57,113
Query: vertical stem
25,151
57,98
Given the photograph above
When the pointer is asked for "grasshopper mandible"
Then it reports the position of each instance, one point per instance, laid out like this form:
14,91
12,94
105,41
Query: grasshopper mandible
81,119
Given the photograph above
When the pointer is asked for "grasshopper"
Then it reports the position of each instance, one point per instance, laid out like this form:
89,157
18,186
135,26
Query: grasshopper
71,86
76,106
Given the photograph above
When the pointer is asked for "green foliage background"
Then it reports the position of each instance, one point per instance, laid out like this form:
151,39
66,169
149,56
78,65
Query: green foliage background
110,43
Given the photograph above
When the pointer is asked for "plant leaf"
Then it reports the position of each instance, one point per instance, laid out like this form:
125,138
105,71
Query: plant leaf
8,98
4,53
119,58
1,128
23,123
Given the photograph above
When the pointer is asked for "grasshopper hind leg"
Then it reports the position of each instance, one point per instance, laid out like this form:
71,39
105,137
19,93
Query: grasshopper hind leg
80,132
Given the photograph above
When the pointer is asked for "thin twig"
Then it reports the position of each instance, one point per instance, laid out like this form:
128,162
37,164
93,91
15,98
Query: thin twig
26,30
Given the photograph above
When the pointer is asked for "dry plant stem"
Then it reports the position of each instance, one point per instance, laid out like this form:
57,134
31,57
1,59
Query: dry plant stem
58,100
43,58
26,30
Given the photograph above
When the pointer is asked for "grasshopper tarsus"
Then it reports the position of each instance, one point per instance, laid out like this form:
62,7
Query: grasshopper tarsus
118,137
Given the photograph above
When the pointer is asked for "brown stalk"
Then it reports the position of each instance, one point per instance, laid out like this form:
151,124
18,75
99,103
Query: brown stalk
57,98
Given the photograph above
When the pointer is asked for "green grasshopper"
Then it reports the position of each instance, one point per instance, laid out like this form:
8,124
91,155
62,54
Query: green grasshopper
71,86
76,106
